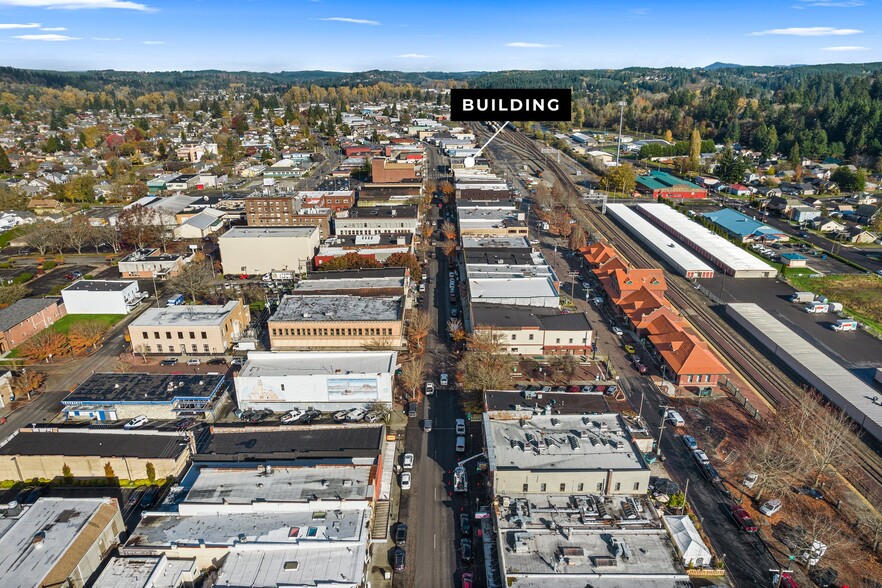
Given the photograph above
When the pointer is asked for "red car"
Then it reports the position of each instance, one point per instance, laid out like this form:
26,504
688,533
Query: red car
574,389
467,580
743,519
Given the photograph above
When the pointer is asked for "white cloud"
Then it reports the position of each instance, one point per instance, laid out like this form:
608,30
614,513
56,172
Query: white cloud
808,32
846,48
351,20
153,42
46,37
12,25
828,3
106,39
53,28
523,45
638,11
414,56
78,4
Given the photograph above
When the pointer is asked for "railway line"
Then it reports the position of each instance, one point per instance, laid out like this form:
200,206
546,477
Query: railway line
775,387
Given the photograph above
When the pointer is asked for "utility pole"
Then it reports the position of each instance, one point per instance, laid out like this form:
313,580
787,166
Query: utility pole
661,430
621,120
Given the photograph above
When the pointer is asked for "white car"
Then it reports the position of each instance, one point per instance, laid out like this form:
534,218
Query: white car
442,379
138,421
460,444
674,418
194,361
771,507
460,426
617,331
355,415
430,389
407,461
292,416
700,456
405,480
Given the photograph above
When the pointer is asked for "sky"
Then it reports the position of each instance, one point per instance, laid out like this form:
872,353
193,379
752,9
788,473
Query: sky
433,35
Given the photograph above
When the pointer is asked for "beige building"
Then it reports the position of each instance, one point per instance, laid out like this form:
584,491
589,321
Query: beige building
337,322
58,541
559,454
43,453
255,251
524,330
189,329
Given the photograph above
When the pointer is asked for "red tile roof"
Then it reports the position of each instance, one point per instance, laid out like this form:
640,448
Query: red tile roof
685,353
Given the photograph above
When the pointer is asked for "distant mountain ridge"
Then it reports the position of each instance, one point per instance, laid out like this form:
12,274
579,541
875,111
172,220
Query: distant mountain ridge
721,65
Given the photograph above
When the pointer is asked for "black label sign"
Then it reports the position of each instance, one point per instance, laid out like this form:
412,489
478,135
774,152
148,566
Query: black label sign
521,105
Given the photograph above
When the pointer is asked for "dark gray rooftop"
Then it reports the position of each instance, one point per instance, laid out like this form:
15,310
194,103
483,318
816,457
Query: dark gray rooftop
527,316
306,442
113,388
321,308
359,274
22,310
119,443
561,403
99,285
383,212
500,256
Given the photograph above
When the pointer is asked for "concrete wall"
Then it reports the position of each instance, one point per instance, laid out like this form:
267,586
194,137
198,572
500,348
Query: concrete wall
593,482
26,467
263,254
84,302
161,339
291,336
282,393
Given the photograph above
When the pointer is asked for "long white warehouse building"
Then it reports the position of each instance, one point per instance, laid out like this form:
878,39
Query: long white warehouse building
730,258
837,384
680,258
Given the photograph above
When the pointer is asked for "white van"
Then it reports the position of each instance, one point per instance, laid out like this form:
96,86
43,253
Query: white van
460,444
771,507
674,418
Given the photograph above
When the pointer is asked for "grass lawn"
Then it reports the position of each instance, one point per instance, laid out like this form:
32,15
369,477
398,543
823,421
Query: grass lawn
860,295
9,235
64,324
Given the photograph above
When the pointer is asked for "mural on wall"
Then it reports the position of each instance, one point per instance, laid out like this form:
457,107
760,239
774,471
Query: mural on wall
352,390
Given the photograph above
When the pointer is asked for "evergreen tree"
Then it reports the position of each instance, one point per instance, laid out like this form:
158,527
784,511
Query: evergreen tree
731,168
695,150
5,165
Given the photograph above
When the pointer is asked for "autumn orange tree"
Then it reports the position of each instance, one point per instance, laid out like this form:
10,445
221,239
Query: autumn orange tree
25,382
448,191
86,334
44,344
408,260
420,323
449,229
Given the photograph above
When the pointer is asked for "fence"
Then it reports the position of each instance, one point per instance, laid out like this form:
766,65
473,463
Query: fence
732,389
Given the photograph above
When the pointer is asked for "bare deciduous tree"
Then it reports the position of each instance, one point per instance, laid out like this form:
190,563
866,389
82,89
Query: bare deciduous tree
773,460
78,232
413,374
194,279
138,226
41,236
420,324
485,366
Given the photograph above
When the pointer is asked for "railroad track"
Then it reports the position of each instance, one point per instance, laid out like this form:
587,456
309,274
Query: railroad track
777,388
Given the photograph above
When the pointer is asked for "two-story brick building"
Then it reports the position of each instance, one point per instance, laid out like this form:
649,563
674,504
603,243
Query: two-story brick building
27,317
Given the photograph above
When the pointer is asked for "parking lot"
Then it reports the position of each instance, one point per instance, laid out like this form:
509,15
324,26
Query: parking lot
44,285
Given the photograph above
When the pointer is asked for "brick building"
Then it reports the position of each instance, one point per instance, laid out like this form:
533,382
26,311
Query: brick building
27,317
386,171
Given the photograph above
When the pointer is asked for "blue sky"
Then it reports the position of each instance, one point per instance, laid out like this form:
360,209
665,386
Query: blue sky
448,35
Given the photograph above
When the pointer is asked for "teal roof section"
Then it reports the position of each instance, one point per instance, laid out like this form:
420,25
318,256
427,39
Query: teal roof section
659,180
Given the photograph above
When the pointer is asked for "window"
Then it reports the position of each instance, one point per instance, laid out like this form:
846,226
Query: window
180,334
530,336
581,487
159,347
204,335
542,487
192,335
167,335
514,337
689,379
707,378
283,387
275,332
526,487
571,339
636,486
563,487
205,347
195,348
600,486
557,340
147,347
145,334
156,334
618,486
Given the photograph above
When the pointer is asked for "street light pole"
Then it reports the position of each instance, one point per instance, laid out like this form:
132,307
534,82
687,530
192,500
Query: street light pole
621,120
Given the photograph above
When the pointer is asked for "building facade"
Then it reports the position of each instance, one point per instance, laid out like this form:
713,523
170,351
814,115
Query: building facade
102,297
378,220
27,317
256,251
152,263
189,330
385,171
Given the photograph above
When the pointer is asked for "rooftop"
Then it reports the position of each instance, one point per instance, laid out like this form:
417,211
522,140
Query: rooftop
149,254
144,444
562,442
741,224
358,274
659,180
321,308
364,283
58,522
146,572
291,442
370,212
245,485
309,363
555,403
503,316
469,242
310,564
501,256
188,315
514,288
99,286
21,310
143,388
268,233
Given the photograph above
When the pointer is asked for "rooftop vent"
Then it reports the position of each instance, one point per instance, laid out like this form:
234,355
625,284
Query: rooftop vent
38,539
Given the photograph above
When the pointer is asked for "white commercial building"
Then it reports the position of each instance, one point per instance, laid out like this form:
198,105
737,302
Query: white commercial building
729,257
254,251
57,541
684,262
326,381
539,291
102,297
147,572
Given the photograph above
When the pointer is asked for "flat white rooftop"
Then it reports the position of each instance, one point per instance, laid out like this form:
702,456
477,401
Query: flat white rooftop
312,564
59,520
188,315
469,242
147,572
527,291
309,363
321,308
718,249
268,233
306,286
677,255
570,442
237,485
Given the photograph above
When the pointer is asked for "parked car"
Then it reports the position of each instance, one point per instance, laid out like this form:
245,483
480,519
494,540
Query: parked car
784,580
244,415
574,389
467,580
137,422
34,495
770,507
194,361
587,389
700,456
340,415
184,423
407,461
630,349
259,416
427,425
400,534
149,497
460,426
617,331
812,492
399,560
465,525
465,548
442,379
374,417
355,415
217,361
292,416
405,480
460,444
640,367
74,275
674,418
689,441
742,519
169,361
430,389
